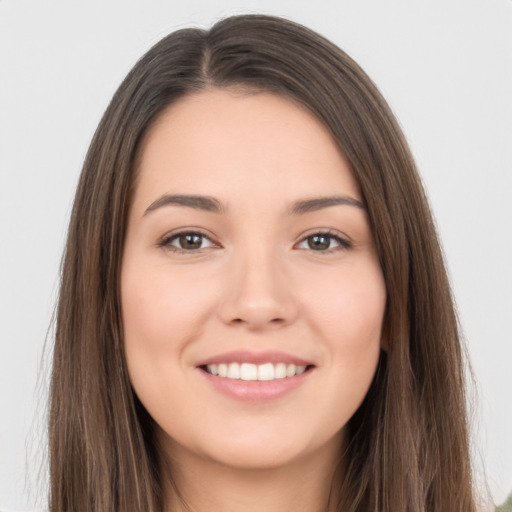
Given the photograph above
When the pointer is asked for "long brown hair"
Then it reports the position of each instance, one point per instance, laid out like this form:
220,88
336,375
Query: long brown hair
408,442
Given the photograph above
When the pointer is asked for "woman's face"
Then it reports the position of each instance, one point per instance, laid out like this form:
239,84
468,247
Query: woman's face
252,295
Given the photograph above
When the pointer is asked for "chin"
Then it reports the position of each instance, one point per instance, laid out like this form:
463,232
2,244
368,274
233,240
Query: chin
257,457
271,448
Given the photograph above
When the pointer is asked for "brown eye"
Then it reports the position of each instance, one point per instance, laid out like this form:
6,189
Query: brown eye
324,242
187,241
190,241
319,242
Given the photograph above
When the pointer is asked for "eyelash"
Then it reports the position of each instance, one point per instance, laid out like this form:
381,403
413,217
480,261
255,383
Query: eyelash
343,243
165,243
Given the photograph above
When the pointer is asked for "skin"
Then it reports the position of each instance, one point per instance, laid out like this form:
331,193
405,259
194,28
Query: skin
255,284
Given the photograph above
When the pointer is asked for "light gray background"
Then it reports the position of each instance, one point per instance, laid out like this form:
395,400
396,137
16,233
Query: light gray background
444,65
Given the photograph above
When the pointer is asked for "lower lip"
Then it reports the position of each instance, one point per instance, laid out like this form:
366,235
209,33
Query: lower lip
255,390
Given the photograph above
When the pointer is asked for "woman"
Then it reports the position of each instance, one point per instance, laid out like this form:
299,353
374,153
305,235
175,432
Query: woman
254,311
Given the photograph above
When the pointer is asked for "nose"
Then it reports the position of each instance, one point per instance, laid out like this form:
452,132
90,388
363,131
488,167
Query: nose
257,293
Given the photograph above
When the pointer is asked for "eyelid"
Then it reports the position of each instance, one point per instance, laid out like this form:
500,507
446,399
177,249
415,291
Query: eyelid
344,242
165,241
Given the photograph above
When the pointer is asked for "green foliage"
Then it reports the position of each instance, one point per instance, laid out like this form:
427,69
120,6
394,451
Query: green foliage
507,506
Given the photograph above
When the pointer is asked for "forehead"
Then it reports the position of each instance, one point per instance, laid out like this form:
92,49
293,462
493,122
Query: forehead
232,144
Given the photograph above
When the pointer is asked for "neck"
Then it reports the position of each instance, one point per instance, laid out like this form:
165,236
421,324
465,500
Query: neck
199,485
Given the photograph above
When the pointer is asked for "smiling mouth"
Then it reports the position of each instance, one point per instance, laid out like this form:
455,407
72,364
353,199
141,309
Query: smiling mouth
255,372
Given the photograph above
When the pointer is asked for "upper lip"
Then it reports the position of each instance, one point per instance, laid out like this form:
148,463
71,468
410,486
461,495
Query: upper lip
245,356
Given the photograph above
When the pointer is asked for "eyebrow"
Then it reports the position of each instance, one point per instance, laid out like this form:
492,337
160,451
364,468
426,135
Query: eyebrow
318,203
206,203
210,204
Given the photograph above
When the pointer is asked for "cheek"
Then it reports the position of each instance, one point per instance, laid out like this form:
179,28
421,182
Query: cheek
162,308
349,308
163,313
348,316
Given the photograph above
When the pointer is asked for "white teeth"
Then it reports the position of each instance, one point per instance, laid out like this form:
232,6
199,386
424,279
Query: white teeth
300,369
290,370
249,371
222,369
266,371
280,371
233,371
